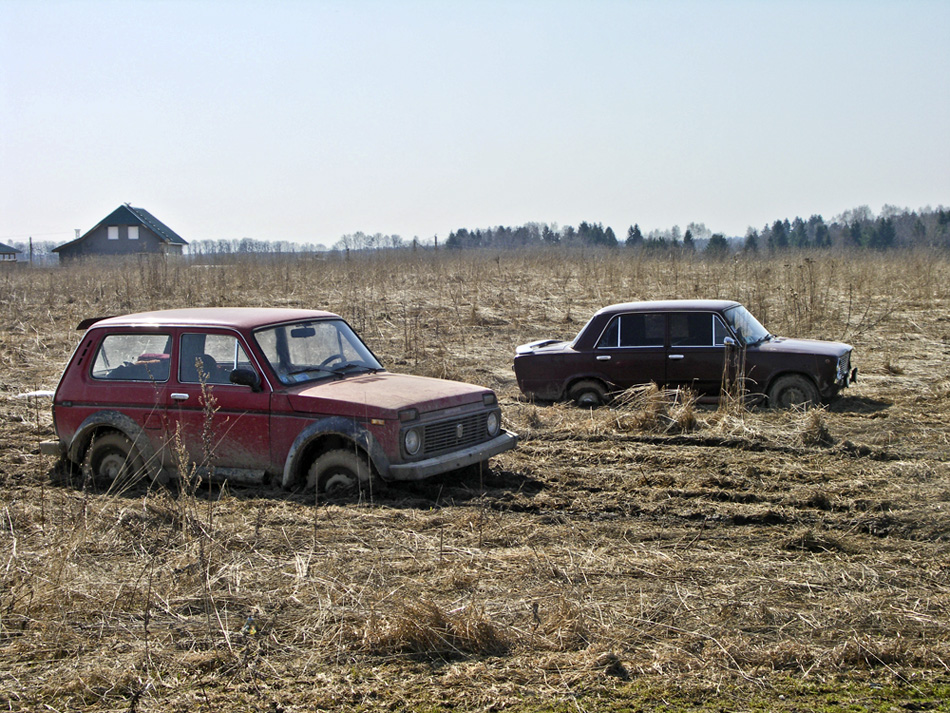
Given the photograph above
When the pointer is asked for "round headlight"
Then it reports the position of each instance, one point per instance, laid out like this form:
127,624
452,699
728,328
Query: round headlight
412,441
493,423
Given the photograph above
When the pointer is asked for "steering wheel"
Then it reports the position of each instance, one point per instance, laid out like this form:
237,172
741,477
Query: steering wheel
330,359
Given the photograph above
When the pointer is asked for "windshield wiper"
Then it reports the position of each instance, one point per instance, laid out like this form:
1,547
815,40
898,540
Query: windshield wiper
307,369
341,370
766,338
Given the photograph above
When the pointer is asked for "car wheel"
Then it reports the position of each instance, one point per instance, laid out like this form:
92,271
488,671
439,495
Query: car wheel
114,460
588,394
339,472
792,390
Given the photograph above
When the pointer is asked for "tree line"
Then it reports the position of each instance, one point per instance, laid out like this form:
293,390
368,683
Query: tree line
856,228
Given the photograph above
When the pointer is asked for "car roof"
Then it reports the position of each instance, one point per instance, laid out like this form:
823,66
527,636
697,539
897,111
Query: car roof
239,317
670,306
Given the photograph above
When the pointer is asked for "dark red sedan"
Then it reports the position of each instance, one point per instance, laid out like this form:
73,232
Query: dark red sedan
697,344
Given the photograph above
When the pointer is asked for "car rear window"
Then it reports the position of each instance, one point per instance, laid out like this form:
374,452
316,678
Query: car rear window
133,357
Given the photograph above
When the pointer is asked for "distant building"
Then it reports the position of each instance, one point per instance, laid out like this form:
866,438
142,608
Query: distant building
126,231
8,254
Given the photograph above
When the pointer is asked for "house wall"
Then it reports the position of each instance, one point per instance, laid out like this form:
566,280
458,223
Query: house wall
97,244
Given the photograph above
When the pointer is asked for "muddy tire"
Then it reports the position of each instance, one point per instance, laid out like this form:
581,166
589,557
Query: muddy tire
792,390
340,473
114,461
588,394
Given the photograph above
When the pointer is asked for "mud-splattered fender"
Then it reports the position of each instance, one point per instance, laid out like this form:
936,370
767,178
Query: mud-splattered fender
118,422
333,426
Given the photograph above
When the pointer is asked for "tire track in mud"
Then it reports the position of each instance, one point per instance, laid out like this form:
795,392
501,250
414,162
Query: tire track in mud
722,482
711,441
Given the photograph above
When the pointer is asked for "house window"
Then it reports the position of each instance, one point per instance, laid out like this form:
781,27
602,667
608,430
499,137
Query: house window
113,232
133,232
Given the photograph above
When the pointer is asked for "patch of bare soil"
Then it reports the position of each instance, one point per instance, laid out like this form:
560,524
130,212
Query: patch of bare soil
624,556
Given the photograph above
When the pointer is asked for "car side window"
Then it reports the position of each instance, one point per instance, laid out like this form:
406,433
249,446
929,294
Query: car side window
210,357
696,329
634,330
133,357
720,332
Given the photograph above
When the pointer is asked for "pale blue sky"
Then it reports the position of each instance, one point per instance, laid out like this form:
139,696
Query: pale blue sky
303,121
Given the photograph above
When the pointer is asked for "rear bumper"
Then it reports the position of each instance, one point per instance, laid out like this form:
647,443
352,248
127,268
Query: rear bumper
454,460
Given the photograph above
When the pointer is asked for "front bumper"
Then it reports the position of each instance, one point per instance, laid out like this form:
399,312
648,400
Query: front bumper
446,462
53,448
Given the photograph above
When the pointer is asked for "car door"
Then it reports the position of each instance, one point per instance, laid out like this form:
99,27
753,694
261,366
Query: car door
129,374
697,355
218,423
631,350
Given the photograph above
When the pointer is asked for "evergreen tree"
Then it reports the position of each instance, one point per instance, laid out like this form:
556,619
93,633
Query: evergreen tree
884,236
751,241
820,236
856,234
778,238
634,237
798,237
583,232
718,247
688,243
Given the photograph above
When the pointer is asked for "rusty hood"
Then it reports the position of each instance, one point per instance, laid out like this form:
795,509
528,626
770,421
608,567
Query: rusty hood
384,395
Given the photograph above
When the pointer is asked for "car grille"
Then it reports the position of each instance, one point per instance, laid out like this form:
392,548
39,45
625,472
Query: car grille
844,367
444,436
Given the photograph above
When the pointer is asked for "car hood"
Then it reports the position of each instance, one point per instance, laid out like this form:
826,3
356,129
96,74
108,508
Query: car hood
384,395
818,347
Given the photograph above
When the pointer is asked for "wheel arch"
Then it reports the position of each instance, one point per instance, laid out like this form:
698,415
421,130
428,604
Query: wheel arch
575,379
816,399
103,421
790,372
329,434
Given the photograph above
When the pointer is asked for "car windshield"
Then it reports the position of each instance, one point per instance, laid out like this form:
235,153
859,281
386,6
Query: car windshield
745,326
320,349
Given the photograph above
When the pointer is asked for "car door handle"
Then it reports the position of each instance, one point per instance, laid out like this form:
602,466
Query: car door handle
180,397
677,356
603,357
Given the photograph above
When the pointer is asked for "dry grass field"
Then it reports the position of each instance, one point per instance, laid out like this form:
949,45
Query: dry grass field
639,557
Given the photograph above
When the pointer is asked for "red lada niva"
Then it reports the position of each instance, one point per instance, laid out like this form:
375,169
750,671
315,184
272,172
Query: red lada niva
248,394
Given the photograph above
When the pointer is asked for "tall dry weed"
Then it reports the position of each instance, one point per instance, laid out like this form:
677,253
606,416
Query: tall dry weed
748,551
425,630
652,409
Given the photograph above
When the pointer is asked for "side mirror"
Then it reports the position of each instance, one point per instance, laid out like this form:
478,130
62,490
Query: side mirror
246,377
729,341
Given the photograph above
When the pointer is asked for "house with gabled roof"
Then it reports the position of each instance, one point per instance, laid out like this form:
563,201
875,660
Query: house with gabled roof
125,231
8,254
